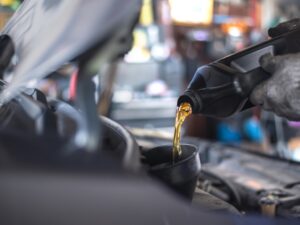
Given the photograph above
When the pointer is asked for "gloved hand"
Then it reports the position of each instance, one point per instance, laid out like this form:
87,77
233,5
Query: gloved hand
280,93
284,27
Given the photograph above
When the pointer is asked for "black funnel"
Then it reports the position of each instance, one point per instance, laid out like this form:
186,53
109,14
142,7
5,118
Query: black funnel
182,175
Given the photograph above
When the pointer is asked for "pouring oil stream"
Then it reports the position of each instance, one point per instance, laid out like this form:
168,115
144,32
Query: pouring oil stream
183,111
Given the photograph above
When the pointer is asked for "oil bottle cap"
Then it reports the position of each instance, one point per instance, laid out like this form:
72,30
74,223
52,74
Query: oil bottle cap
193,99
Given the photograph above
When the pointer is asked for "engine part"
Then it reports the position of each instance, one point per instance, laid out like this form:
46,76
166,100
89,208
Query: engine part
181,176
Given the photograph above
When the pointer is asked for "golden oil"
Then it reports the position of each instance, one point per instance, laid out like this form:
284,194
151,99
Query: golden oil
183,111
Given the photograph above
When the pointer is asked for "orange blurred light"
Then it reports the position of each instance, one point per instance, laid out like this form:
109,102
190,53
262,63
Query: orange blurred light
235,28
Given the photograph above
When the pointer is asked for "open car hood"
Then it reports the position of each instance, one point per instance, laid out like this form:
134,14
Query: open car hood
50,33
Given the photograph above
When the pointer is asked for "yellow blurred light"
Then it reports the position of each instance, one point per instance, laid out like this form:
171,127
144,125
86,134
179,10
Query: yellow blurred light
6,2
146,17
191,12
